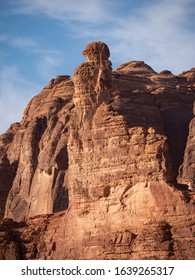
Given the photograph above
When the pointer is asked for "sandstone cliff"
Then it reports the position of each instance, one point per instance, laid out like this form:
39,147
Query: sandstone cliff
102,166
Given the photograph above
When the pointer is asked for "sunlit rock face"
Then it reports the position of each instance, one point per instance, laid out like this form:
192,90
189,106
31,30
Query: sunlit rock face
102,166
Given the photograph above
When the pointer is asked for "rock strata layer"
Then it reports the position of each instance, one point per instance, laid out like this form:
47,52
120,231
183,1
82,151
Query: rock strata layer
102,166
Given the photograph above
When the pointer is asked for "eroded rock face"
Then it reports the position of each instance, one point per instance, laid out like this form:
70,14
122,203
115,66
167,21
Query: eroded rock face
40,148
93,79
187,170
7,168
106,161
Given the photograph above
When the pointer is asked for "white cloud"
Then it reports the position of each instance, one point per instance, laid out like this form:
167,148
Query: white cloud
22,42
79,10
19,41
3,38
47,58
15,93
157,32
47,65
28,44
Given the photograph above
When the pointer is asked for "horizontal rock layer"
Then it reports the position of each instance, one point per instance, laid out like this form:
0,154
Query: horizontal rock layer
102,166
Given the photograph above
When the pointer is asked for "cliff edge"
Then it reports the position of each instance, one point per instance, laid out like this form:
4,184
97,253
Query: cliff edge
102,166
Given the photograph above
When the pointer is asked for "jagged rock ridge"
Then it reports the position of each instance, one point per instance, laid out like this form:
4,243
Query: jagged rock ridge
102,166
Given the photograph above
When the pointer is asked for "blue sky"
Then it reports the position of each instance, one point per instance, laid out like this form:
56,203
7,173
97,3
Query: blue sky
40,39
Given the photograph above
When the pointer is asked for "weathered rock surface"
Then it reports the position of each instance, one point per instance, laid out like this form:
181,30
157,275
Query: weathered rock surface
40,149
102,166
187,170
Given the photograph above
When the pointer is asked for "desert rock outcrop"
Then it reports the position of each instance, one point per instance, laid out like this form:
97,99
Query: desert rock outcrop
187,170
102,166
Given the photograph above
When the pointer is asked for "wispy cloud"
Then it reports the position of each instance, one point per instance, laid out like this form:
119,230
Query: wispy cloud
159,32
3,38
27,44
15,93
19,41
47,65
23,42
79,10
47,58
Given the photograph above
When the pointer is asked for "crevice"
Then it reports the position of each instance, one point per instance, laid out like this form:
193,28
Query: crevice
176,123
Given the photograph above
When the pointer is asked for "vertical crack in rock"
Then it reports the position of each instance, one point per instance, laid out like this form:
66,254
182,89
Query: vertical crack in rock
187,169
40,148
92,166
177,129
17,205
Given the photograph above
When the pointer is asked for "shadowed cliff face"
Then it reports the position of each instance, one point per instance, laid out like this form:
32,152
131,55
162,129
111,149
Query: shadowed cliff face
176,122
40,148
187,169
96,167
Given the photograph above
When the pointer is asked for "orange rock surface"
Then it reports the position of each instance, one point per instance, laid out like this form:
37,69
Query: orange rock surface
102,166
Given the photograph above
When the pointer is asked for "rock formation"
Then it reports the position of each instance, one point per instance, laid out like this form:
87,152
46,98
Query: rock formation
102,166
187,170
